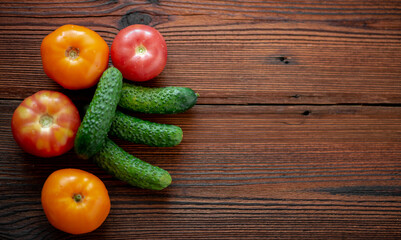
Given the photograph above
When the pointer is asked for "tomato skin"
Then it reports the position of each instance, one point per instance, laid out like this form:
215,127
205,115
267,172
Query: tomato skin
29,121
127,57
67,214
74,56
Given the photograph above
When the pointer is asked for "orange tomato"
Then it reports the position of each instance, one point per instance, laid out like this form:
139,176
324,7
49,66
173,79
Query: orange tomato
75,201
74,56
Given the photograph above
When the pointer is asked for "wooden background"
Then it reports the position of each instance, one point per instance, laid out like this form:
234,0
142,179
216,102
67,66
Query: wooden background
296,134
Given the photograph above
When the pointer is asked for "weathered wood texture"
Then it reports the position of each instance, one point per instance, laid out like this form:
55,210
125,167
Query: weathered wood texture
241,172
231,51
296,134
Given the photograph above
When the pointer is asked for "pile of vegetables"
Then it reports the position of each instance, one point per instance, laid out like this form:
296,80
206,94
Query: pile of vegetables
48,124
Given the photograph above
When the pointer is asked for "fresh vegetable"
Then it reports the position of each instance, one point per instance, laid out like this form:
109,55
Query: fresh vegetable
165,100
75,201
139,52
140,131
98,118
45,124
74,56
130,169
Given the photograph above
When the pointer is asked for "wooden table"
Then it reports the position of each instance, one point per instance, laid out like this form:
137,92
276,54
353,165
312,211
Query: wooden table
296,134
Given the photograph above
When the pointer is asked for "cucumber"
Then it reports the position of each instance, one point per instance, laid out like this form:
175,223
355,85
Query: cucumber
130,169
165,100
144,132
97,121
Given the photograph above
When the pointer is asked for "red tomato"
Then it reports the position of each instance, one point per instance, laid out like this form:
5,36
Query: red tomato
139,52
45,124
75,201
74,56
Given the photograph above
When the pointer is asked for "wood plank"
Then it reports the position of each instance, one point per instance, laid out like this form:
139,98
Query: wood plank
231,52
246,172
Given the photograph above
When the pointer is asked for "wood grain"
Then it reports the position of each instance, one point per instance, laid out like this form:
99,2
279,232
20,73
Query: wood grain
296,134
306,52
241,172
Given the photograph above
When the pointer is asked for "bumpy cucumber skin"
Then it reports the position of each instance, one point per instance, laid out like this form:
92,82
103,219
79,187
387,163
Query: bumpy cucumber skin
165,100
144,132
130,169
97,121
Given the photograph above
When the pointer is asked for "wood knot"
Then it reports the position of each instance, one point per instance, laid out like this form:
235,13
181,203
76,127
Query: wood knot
135,18
306,113
284,60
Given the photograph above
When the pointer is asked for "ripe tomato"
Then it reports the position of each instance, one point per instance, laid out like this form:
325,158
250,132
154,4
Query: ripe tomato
74,56
75,201
45,124
139,52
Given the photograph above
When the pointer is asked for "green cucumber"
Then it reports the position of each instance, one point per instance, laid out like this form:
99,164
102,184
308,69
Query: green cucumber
130,169
144,132
97,121
165,100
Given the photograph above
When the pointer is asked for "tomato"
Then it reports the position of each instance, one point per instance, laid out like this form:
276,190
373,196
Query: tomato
45,124
75,201
74,56
139,52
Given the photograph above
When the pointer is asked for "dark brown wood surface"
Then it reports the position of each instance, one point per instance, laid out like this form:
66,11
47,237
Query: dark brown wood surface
296,135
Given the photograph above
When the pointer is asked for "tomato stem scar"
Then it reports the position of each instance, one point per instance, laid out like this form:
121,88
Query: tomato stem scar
72,53
46,120
141,50
77,197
